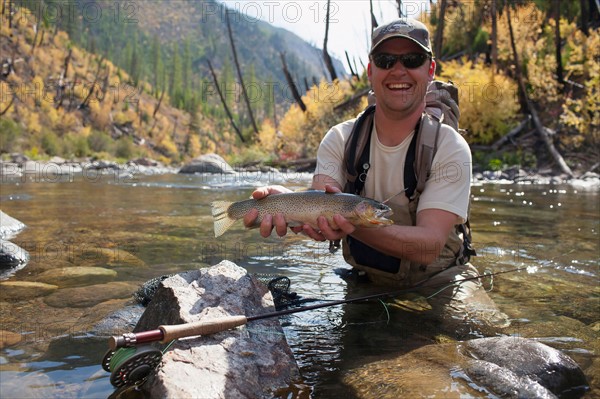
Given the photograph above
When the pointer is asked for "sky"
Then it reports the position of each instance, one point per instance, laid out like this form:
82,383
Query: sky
349,28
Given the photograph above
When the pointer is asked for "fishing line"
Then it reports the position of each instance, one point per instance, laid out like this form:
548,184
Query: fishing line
386,311
395,195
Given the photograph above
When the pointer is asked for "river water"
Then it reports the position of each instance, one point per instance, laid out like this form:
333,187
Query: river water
147,226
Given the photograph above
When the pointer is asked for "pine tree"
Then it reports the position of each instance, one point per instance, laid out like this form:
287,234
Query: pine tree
175,91
157,65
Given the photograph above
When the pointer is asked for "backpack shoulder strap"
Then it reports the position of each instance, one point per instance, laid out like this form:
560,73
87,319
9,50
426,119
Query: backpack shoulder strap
356,151
426,147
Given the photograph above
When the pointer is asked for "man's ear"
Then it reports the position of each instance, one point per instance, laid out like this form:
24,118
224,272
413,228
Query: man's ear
369,72
432,70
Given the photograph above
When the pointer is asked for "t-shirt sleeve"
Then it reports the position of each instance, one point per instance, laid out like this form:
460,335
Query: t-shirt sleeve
330,154
449,185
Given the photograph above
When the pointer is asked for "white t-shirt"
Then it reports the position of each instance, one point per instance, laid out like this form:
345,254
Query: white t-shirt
448,187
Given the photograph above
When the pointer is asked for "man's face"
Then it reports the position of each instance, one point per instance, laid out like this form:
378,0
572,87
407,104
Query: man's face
400,91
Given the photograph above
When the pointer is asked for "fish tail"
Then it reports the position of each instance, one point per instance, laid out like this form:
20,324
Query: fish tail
221,218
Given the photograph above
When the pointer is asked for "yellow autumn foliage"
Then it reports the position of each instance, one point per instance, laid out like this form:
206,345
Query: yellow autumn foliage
583,113
301,132
488,101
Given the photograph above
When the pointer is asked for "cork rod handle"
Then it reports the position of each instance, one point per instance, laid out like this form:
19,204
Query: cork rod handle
205,327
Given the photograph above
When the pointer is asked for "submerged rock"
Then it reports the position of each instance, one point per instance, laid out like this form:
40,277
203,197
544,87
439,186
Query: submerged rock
209,163
530,360
8,338
75,276
106,257
506,367
84,297
250,362
19,290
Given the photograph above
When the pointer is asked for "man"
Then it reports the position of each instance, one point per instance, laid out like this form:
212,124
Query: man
425,245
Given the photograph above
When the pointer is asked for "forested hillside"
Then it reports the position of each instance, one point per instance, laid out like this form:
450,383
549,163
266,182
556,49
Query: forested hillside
139,83
150,59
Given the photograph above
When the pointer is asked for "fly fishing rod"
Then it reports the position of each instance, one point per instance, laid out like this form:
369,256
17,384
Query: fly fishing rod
130,364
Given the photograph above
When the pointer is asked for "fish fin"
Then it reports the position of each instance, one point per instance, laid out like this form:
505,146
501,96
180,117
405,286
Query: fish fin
221,218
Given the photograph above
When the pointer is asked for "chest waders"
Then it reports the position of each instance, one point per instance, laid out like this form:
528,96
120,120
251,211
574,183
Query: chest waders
384,268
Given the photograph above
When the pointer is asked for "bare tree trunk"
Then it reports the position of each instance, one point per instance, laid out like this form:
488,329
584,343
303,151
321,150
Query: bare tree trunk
542,131
326,57
494,36
5,110
86,101
60,89
583,12
352,72
162,94
399,2
558,43
439,31
275,121
374,23
239,72
212,72
37,31
159,103
290,82
306,86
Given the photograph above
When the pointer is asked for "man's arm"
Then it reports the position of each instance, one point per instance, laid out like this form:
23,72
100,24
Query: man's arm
422,243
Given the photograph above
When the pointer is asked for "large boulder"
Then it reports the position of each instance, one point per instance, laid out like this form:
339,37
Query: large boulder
9,226
248,362
208,163
506,367
12,257
533,364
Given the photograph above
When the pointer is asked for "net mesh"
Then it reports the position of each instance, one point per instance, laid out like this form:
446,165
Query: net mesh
279,286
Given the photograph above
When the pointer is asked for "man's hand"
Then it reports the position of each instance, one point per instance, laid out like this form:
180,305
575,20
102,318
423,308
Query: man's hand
269,221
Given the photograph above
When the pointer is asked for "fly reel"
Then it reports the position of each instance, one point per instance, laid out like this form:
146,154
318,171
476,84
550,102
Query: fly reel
130,365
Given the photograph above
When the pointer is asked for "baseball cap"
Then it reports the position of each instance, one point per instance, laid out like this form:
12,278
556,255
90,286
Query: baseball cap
407,28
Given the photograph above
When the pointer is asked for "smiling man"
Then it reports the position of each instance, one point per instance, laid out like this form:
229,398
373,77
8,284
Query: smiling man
428,244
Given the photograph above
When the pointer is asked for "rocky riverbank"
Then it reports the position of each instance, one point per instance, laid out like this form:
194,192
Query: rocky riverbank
21,168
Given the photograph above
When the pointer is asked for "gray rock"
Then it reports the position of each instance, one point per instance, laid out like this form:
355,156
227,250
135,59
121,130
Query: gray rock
530,360
19,290
9,226
248,362
75,276
12,258
506,367
504,382
10,170
84,297
208,163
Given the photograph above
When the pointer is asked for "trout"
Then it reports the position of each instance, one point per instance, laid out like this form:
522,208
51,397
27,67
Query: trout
299,208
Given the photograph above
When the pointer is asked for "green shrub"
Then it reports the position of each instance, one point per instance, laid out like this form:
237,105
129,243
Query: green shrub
124,148
51,144
10,131
100,141
76,146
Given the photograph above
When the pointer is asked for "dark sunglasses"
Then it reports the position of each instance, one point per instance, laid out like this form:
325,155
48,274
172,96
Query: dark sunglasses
410,60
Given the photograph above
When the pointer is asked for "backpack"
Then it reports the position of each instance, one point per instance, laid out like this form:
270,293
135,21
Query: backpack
441,108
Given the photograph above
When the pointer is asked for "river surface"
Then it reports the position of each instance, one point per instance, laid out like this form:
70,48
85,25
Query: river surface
147,226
